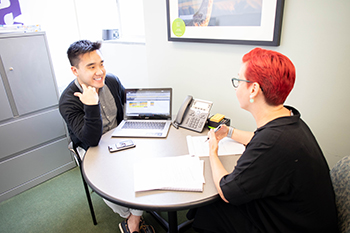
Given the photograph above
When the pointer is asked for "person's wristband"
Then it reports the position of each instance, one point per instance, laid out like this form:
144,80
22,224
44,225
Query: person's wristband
230,132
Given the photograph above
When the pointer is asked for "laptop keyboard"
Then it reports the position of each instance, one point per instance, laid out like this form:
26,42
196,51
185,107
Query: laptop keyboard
143,125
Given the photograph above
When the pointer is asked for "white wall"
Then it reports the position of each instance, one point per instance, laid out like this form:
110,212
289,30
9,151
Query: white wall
127,61
315,36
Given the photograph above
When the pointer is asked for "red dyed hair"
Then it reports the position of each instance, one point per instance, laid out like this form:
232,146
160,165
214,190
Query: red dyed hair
274,72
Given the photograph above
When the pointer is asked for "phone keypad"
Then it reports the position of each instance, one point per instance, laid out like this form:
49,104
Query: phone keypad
193,123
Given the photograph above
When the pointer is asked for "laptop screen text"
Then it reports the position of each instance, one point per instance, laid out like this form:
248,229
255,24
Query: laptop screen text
148,103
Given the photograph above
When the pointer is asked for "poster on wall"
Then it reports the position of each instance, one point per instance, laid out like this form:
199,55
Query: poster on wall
249,22
12,18
9,11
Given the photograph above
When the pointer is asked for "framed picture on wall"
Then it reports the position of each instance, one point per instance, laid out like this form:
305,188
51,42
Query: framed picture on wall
249,22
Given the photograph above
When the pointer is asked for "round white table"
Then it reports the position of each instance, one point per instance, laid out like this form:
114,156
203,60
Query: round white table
111,174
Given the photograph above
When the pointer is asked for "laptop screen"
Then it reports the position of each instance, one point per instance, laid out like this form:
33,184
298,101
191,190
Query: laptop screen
148,103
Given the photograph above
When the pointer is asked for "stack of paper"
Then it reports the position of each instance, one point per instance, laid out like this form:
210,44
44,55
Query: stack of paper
198,146
180,173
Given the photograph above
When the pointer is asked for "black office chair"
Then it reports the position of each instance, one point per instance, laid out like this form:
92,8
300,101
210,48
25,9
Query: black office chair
340,175
77,158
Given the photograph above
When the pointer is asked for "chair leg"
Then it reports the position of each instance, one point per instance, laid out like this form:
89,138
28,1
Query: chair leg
89,201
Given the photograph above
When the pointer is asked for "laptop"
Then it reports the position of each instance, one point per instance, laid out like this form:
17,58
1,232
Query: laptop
147,113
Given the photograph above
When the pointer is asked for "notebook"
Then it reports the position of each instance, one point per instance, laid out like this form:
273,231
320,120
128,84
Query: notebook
147,113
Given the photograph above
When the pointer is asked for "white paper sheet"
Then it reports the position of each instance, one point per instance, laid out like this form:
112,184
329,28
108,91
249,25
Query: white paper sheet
198,146
180,173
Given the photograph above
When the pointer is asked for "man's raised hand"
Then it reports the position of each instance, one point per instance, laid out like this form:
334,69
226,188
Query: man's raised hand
89,95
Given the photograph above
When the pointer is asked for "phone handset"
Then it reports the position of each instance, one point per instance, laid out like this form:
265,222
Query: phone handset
181,113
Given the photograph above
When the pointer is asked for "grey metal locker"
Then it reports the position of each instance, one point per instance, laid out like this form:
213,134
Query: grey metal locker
33,137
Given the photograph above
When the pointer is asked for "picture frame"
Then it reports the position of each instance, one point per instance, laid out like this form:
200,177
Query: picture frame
257,22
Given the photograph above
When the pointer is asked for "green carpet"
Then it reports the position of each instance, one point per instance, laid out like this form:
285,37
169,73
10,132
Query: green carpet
60,205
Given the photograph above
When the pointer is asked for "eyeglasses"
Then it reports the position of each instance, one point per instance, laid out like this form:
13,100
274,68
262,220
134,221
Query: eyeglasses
235,82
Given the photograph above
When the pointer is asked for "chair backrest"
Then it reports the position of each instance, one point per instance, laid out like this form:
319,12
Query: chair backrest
75,153
340,175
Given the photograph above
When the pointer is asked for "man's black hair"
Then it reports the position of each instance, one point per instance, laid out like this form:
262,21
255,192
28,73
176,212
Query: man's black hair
79,48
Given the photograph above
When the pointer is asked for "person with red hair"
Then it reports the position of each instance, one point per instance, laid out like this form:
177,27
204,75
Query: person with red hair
281,183
274,72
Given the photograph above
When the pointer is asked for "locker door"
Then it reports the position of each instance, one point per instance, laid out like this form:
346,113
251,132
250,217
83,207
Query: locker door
28,70
5,112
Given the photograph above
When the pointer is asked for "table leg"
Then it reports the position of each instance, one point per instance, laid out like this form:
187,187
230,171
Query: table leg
171,226
172,219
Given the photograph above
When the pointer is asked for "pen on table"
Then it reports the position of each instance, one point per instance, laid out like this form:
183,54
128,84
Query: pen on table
215,130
